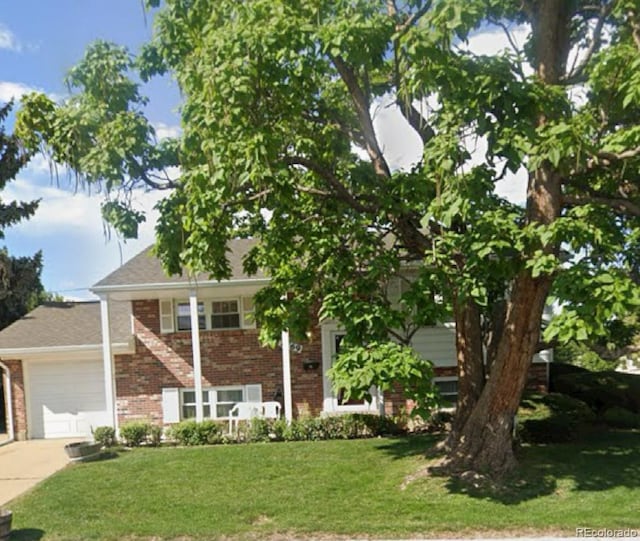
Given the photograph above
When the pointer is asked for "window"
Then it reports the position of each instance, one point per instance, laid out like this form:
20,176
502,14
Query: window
184,316
226,399
219,314
217,401
189,404
448,388
225,315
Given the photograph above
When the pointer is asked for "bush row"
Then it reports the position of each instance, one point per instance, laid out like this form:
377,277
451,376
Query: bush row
558,418
208,432
132,434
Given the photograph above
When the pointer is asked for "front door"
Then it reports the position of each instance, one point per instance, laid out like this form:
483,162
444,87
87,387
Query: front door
334,401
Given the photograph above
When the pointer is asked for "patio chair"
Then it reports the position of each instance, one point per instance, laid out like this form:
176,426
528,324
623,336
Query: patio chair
271,410
243,411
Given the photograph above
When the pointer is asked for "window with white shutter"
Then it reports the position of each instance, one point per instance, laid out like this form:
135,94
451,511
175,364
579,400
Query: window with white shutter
171,405
166,316
248,313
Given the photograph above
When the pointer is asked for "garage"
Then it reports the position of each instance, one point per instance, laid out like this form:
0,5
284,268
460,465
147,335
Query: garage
66,398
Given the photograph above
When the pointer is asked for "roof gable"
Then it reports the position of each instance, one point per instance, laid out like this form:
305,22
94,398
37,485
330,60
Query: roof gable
145,269
64,324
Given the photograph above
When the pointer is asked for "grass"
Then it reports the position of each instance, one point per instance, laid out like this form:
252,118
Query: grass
339,488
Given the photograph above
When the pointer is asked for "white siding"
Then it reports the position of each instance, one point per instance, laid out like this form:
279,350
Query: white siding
437,344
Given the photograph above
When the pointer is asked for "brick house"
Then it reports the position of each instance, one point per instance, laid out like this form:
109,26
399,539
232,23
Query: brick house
164,349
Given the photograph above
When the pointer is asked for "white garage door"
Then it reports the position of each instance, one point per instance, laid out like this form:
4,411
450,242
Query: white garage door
66,398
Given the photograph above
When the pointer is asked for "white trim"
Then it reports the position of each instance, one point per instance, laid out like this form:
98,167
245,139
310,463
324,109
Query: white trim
177,285
8,400
53,352
107,360
286,376
195,346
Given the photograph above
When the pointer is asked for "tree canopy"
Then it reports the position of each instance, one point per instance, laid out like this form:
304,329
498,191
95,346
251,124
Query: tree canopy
20,286
279,142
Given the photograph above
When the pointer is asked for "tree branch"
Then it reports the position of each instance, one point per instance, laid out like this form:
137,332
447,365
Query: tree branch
413,19
609,157
339,190
620,204
361,102
613,354
575,76
416,120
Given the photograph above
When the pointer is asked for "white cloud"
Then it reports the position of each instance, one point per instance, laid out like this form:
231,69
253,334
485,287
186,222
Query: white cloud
62,209
10,90
78,248
401,145
164,131
8,40
494,40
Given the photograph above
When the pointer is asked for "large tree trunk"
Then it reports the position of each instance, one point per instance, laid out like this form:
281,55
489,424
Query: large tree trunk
484,443
469,362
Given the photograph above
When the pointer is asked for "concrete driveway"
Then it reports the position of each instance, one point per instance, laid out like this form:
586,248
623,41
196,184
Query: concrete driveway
24,464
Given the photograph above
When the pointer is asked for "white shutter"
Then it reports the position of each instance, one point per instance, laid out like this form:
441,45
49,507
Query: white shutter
248,313
253,393
171,405
166,316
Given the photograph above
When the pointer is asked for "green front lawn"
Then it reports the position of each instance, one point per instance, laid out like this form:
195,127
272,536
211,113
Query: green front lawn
350,488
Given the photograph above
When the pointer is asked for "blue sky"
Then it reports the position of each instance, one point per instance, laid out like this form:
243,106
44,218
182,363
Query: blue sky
39,42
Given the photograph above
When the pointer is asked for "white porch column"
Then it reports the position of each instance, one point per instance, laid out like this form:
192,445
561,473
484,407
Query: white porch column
195,345
8,399
107,361
286,376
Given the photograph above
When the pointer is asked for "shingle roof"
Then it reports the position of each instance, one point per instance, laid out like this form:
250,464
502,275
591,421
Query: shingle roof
145,268
59,324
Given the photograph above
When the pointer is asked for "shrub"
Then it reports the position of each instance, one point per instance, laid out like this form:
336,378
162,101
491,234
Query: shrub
155,435
105,436
621,418
135,433
335,427
197,433
552,418
602,390
259,429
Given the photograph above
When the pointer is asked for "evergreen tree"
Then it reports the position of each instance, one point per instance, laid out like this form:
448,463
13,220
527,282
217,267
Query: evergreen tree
20,286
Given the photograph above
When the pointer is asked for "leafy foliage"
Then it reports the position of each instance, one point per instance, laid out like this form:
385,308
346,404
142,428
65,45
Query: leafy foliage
280,144
196,433
135,433
105,436
383,365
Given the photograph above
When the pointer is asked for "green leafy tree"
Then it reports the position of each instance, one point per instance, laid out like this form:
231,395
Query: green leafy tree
20,287
280,143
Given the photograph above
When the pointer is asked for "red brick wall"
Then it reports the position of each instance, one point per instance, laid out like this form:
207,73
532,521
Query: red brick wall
17,398
230,357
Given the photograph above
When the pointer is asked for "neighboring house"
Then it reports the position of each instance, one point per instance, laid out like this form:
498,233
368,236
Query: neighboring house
164,349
